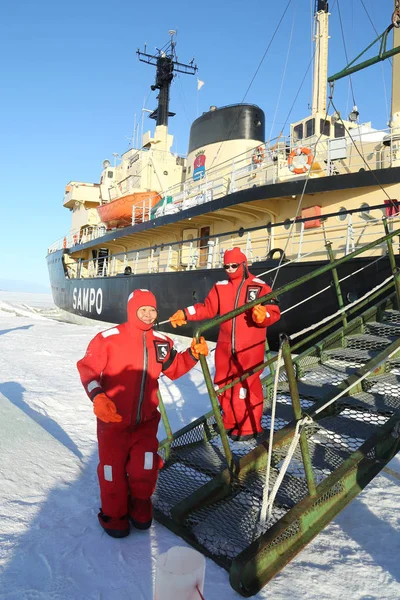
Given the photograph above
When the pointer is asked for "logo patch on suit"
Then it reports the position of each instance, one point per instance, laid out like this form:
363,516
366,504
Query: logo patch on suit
162,349
252,292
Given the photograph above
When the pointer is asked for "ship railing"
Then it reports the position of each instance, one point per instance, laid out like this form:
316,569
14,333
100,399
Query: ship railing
289,240
243,172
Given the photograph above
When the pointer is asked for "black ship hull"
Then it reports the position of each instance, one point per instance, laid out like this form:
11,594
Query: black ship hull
105,298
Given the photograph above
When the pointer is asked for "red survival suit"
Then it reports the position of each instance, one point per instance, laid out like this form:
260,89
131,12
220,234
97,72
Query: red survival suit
240,344
124,363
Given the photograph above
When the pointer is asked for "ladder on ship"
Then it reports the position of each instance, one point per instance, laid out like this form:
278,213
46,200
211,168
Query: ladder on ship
336,405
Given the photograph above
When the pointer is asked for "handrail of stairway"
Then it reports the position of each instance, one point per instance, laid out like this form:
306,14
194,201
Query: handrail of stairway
332,266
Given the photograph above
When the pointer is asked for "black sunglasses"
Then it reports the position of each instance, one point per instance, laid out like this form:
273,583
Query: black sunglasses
231,266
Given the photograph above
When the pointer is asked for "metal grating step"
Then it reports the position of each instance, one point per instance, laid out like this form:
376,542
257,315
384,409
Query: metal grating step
175,483
376,403
327,374
387,328
393,316
347,430
351,356
202,456
369,342
387,385
240,514
324,459
309,393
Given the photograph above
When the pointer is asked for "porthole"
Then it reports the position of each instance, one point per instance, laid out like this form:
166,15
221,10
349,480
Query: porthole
342,216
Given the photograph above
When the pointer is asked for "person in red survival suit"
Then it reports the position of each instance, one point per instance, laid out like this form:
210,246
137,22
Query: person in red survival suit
120,373
240,343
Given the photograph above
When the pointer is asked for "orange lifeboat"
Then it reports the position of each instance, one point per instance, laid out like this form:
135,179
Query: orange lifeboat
118,213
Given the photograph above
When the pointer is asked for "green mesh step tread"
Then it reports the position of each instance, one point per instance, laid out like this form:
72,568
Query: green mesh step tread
309,391
386,329
390,315
352,356
175,483
240,514
367,341
201,456
348,430
374,402
327,374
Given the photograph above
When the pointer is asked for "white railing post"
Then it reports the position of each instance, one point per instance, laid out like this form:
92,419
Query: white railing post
190,259
143,210
169,258
349,236
300,241
113,265
210,251
232,183
221,257
249,249
136,263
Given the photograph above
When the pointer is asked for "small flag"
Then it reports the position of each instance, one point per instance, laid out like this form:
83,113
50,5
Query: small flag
199,84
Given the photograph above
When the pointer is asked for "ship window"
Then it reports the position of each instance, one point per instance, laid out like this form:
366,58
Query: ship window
325,127
189,169
339,130
298,132
109,174
342,216
310,127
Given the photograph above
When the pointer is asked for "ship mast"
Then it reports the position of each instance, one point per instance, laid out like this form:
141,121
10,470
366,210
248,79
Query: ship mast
166,62
320,74
395,120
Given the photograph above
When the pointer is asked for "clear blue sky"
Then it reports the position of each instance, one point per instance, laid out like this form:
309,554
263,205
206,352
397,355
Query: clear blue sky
71,85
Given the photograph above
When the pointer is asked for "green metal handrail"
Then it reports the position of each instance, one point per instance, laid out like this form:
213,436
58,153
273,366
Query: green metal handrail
331,266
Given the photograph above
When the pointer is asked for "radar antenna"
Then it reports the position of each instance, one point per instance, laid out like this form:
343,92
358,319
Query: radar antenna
166,63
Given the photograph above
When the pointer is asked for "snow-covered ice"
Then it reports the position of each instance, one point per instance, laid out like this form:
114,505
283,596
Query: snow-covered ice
51,546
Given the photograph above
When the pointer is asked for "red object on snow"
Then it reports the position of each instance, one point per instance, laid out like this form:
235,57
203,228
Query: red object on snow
240,344
124,363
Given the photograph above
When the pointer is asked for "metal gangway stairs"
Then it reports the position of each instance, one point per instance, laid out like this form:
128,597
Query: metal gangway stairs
331,423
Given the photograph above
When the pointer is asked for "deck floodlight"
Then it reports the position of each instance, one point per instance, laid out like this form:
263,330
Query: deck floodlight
353,116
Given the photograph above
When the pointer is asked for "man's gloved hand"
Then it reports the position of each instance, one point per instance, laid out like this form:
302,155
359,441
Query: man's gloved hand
259,313
198,348
178,319
105,409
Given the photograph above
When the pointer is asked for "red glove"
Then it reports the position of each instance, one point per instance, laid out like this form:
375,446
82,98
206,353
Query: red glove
178,319
105,409
198,348
259,313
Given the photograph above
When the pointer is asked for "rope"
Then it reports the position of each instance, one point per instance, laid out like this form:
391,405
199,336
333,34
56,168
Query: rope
343,392
328,287
341,310
266,506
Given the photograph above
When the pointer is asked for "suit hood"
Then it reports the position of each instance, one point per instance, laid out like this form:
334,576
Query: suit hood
137,299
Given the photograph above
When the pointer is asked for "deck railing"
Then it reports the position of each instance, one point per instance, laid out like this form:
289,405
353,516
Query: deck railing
248,170
290,241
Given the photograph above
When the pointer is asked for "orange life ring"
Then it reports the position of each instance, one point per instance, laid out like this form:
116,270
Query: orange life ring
65,242
258,155
297,152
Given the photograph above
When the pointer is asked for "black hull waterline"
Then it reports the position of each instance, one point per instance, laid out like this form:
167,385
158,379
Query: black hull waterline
105,298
